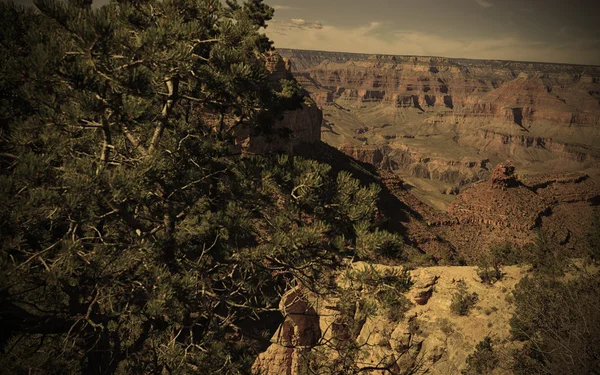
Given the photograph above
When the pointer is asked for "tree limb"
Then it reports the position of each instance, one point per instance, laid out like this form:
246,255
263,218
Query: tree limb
106,145
173,89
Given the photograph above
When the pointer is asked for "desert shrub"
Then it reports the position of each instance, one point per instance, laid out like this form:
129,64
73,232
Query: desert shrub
489,273
398,279
414,327
483,360
445,326
462,300
394,303
506,254
544,257
388,286
491,310
560,323
489,267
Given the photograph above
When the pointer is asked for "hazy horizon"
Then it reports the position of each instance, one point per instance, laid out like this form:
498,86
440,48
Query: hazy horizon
552,31
434,56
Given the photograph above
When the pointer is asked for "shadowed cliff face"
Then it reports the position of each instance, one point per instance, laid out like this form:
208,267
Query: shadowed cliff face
295,127
450,120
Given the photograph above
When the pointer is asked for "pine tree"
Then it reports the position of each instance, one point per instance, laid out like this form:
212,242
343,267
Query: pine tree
134,240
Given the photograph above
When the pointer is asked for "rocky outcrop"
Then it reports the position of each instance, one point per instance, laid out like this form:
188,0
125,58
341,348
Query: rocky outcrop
429,336
503,176
400,157
506,209
298,333
295,127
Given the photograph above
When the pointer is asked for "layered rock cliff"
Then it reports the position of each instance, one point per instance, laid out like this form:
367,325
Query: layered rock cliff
445,119
505,209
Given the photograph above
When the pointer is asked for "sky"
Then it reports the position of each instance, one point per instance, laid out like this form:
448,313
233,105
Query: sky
563,31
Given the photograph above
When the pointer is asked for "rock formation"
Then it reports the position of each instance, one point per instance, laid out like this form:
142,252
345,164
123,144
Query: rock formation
503,176
298,333
429,332
504,209
304,124
444,120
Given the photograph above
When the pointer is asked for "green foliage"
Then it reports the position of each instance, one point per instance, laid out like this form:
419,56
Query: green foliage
388,286
483,360
560,324
489,274
134,239
395,304
506,254
369,276
462,300
544,257
489,268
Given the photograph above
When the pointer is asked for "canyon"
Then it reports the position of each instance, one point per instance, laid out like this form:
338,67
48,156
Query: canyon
470,156
443,124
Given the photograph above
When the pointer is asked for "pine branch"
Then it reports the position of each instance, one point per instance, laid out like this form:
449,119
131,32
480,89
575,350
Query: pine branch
131,221
7,155
173,90
106,145
134,140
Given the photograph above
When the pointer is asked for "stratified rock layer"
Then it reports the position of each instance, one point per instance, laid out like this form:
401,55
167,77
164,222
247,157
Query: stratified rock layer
450,120
506,209
299,332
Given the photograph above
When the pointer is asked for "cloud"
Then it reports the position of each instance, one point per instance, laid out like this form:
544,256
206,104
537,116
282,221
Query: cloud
296,23
283,7
485,3
381,38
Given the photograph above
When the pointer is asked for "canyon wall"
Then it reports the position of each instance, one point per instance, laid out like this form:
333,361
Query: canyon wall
450,120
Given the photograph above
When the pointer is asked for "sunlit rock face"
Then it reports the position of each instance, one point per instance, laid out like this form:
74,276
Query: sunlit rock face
451,120
428,335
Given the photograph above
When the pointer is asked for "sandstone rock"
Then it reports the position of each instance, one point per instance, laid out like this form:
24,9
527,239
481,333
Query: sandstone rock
430,333
299,331
423,288
503,176
423,296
